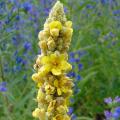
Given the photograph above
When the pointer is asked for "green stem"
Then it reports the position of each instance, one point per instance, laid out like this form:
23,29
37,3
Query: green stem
1,70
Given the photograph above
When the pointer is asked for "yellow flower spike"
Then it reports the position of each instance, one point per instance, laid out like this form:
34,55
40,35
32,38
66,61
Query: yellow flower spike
55,24
68,24
52,66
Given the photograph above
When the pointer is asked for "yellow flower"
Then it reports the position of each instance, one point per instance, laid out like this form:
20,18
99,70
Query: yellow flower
54,63
41,97
55,24
62,109
39,113
68,24
55,27
61,117
54,32
37,79
66,117
63,85
58,117
51,106
49,89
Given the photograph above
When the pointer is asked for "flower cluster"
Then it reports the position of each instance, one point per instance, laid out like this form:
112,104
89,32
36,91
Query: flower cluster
55,88
114,112
3,87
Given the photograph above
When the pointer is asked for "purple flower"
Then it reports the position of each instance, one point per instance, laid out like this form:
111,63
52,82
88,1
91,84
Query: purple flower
65,10
108,100
108,115
70,110
116,12
117,99
3,87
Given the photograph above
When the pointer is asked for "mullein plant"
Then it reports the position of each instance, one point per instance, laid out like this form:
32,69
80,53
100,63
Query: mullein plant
54,87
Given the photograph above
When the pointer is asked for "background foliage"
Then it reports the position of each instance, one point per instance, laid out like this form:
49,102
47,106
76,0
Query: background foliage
94,54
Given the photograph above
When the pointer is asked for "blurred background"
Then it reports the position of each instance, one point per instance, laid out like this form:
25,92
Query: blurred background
94,55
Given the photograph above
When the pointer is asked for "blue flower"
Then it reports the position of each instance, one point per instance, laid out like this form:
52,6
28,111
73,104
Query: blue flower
19,60
3,87
80,66
24,77
72,54
72,60
70,110
117,109
15,41
89,6
103,2
71,74
73,117
116,12
17,17
46,10
65,10
78,77
27,6
81,53
116,115
27,45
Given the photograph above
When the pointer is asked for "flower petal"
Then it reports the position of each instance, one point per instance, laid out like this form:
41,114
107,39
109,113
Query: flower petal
45,60
56,71
44,70
65,65
59,91
56,83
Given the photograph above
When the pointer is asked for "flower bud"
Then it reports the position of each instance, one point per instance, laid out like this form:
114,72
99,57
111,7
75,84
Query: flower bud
54,32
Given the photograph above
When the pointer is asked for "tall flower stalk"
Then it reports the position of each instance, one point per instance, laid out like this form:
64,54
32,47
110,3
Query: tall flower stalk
54,87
